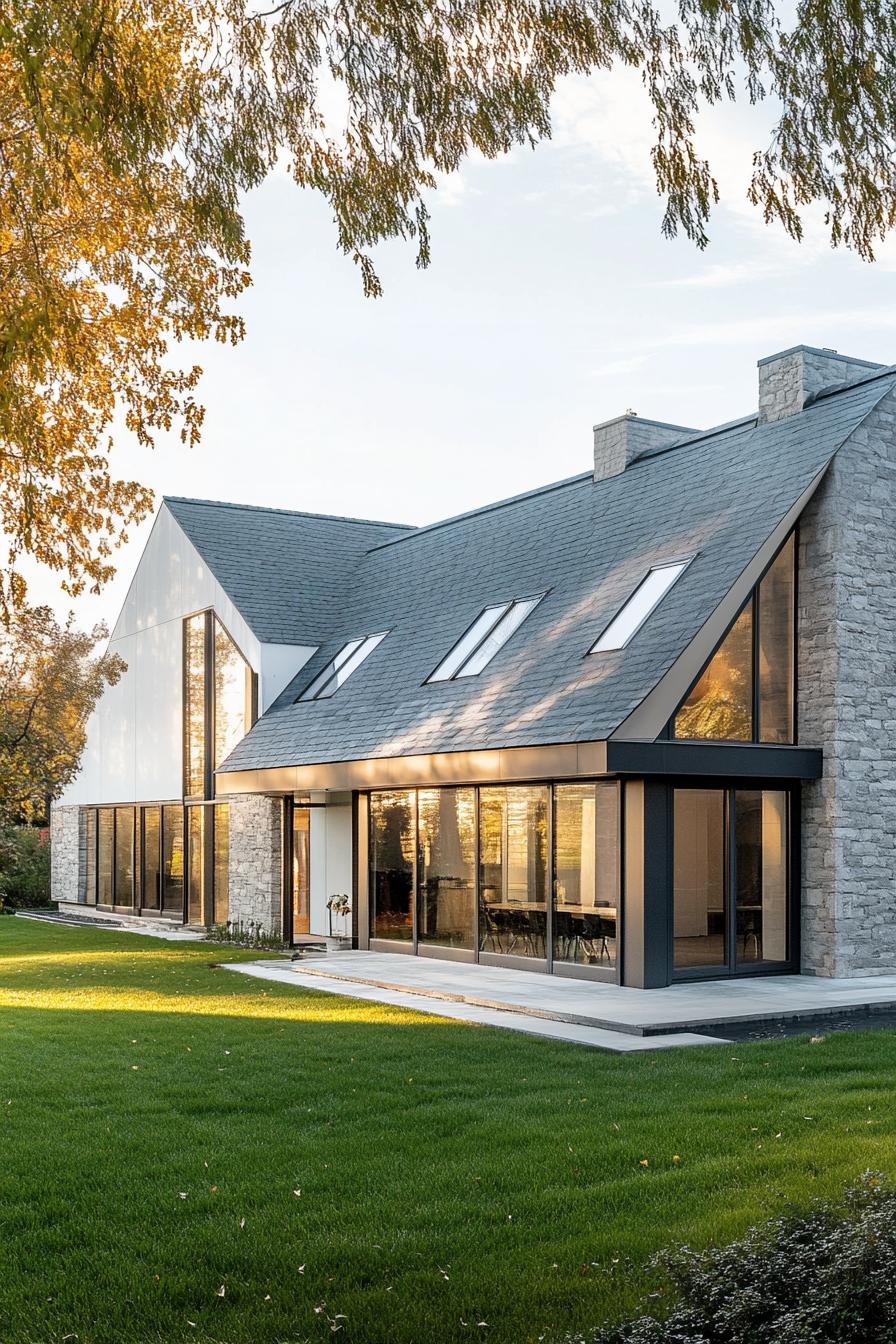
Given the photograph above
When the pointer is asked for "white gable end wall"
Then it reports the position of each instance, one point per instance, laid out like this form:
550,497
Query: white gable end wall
134,739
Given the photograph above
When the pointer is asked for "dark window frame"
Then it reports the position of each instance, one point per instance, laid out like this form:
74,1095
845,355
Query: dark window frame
359,641
208,746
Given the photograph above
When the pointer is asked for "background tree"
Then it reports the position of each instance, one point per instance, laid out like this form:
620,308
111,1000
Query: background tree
50,680
129,128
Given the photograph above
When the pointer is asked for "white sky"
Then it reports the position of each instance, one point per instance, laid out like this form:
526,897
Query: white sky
552,302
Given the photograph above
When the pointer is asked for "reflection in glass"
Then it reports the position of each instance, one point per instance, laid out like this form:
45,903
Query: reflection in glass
173,859
301,871
222,863
760,839
721,704
151,869
699,895
446,872
233,695
90,856
648,595
196,875
124,856
586,867
513,870
776,651
194,709
393,843
105,859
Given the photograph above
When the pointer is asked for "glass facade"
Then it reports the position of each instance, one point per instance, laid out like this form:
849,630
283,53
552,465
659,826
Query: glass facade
446,867
124,856
586,874
196,865
152,869
777,626
233,695
301,870
746,691
194,707
721,704
513,880
731,852
393,844
173,859
471,870
222,864
105,858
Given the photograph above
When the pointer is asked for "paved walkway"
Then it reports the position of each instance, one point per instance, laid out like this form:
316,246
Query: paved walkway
610,1017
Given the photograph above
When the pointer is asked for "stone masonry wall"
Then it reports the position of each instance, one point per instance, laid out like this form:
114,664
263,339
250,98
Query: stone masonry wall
787,379
847,705
256,846
68,853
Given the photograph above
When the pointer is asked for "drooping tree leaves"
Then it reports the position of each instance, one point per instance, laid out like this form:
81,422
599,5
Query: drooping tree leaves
129,128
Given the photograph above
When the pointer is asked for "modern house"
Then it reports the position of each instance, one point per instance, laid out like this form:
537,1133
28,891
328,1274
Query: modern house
639,725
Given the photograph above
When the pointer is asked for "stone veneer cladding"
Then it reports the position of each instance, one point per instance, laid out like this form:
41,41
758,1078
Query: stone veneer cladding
68,853
847,705
788,379
256,846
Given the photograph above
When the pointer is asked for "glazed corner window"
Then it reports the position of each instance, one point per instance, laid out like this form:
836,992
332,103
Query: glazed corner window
218,700
486,636
648,595
339,669
746,691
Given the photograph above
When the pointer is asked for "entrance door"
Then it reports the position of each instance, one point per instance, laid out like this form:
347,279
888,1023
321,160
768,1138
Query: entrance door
730,880
301,871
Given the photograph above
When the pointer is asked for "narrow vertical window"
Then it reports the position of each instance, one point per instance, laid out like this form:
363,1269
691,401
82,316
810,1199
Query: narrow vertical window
194,707
222,863
196,864
776,648
105,857
90,856
152,887
173,859
393,844
233,695
446,869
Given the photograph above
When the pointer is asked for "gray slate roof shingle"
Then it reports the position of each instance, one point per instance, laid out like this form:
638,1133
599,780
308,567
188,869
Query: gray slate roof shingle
285,572
720,494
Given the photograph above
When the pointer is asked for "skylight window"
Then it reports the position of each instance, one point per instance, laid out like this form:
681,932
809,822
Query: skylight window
648,594
337,672
488,633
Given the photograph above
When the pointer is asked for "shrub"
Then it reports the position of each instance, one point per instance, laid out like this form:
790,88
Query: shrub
825,1277
24,867
240,934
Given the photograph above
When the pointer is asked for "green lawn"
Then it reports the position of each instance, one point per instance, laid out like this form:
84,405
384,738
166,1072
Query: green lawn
188,1154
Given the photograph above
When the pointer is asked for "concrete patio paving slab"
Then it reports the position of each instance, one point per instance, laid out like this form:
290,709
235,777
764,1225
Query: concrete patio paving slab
459,1010
696,1006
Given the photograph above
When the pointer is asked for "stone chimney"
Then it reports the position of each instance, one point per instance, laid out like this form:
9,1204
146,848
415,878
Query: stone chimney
787,380
619,442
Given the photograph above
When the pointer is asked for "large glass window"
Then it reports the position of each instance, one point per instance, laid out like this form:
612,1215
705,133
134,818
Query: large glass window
776,651
152,888
725,705
446,873
513,870
222,863
194,707
124,856
196,869
393,844
233,695
105,856
700,884
173,859
90,856
586,873
721,704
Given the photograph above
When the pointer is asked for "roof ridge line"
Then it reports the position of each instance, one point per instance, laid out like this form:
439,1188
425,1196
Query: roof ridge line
289,513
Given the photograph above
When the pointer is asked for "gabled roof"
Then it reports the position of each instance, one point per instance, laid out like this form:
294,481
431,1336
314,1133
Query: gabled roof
285,572
719,496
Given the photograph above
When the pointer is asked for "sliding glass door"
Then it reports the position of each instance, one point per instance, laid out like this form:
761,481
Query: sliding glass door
731,858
